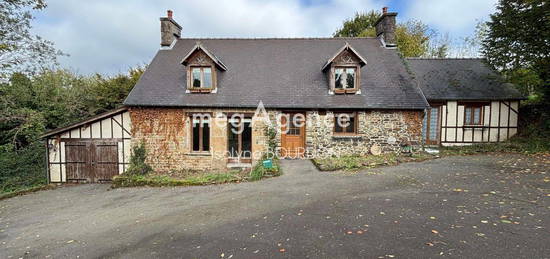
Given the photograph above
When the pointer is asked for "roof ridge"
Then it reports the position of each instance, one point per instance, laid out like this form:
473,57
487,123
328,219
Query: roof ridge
276,38
420,58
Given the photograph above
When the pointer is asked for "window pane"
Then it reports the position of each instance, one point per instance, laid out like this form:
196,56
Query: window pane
205,136
196,128
207,83
350,77
351,127
434,116
477,115
338,78
337,128
247,139
468,116
233,139
344,123
196,77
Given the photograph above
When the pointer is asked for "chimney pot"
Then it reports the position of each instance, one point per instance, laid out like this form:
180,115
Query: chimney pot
169,13
384,9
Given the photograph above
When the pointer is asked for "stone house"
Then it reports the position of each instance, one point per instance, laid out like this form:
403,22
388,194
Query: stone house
217,103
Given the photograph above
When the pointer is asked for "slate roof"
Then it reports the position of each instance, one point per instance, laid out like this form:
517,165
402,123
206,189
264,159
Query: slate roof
460,79
282,73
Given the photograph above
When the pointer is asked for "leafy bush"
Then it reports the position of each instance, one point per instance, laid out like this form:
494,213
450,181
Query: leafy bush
23,168
30,105
259,171
137,164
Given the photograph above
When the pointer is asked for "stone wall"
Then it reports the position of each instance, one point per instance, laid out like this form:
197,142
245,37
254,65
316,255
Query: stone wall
388,128
166,133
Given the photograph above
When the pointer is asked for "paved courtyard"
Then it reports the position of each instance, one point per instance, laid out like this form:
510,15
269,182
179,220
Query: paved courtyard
493,206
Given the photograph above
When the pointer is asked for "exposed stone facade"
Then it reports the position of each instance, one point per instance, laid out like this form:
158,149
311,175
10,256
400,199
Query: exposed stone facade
166,133
389,129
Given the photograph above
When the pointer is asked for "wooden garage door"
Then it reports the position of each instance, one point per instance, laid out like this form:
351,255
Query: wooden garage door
77,158
91,161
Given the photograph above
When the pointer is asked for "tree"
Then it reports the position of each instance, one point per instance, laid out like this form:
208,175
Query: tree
20,50
362,25
518,38
413,36
29,105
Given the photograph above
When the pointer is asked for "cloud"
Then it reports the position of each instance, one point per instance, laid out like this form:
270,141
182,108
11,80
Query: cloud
457,17
108,36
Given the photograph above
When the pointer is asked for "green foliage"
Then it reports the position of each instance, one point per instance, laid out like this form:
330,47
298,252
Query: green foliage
132,180
53,98
528,82
358,162
517,40
20,50
271,134
259,171
354,162
137,165
22,168
413,37
525,145
362,25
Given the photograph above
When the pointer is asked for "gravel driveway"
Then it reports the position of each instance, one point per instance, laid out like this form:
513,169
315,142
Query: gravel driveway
494,206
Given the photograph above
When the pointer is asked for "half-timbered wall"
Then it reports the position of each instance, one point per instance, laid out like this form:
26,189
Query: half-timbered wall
499,123
115,128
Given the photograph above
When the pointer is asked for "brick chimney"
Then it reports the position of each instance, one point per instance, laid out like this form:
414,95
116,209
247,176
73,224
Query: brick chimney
385,28
170,30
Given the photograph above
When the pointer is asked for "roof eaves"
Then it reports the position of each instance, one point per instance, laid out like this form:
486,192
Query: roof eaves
346,46
198,47
84,122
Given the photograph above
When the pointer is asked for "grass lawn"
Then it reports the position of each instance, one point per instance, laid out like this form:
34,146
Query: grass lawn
21,191
357,162
523,145
189,177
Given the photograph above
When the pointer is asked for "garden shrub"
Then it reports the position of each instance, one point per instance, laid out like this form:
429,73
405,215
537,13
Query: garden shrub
137,164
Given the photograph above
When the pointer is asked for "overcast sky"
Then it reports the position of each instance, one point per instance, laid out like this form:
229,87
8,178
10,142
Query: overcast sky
108,36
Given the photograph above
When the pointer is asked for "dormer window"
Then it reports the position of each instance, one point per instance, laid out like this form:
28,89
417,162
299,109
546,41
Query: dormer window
201,66
201,78
343,70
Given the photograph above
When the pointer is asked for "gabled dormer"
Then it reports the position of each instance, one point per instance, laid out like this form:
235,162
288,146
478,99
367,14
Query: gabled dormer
201,68
343,70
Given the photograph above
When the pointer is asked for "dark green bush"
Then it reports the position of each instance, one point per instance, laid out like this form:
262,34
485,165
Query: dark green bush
23,168
137,165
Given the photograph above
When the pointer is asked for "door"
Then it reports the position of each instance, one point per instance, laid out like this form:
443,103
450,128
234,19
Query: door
78,161
431,126
105,160
239,137
91,161
293,129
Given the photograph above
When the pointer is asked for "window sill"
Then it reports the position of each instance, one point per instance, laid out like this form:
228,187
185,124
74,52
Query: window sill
196,153
195,90
351,91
